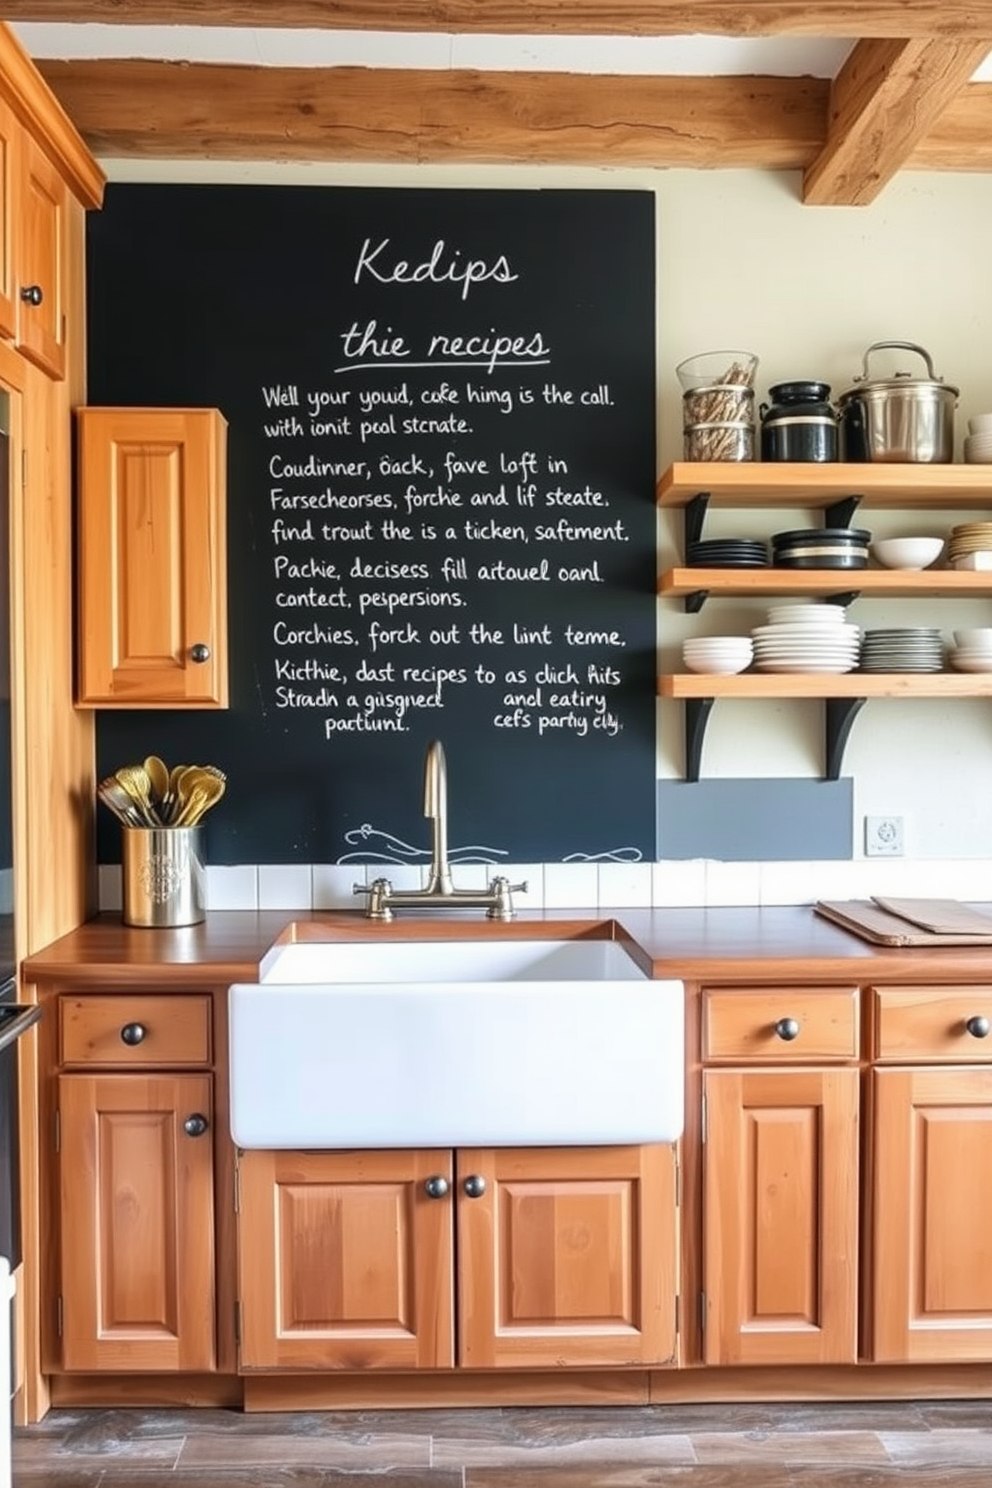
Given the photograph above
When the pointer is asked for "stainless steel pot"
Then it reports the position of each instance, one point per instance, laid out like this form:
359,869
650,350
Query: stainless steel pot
901,418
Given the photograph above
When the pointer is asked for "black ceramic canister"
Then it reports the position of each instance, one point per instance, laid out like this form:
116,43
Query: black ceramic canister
800,423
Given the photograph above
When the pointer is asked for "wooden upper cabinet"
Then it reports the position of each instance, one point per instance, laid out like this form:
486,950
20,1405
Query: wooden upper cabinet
151,486
40,259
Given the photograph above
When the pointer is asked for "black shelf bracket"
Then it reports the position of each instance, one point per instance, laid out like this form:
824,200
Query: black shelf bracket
695,515
840,514
697,712
840,714
694,602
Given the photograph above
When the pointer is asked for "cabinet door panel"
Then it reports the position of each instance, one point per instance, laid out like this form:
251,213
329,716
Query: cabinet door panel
152,560
932,1227
345,1260
567,1257
780,1218
9,140
39,260
137,1223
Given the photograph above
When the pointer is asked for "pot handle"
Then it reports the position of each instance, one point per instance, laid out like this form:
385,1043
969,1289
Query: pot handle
897,346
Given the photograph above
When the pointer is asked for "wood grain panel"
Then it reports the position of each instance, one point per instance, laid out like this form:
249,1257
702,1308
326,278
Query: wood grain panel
568,1257
932,1215
923,1023
563,17
176,1030
137,1223
345,1262
743,1025
780,1216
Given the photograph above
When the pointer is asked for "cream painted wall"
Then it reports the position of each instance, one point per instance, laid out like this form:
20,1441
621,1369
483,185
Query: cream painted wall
742,263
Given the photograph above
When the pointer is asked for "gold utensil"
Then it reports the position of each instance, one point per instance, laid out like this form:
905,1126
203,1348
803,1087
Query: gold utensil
134,780
158,779
200,790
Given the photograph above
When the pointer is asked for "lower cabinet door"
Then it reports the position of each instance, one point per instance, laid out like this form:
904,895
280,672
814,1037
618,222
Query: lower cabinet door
932,1215
137,1222
566,1256
345,1260
780,1216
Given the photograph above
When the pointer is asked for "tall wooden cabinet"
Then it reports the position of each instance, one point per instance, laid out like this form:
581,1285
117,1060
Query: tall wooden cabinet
481,1258
152,557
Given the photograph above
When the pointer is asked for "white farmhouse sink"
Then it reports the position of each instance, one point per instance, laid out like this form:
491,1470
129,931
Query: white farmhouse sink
455,1043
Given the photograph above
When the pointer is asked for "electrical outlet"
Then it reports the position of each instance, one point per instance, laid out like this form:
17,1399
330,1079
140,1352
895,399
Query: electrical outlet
883,836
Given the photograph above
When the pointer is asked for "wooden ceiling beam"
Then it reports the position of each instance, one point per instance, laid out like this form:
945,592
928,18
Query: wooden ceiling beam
953,19
883,102
169,109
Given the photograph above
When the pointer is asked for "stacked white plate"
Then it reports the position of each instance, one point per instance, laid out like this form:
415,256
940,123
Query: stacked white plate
972,651
978,449
916,648
717,655
806,638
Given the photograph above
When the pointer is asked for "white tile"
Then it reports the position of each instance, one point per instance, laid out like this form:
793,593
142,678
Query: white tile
110,893
332,885
570,886
284,886
678,883
731,883
624,885
232,887
804,883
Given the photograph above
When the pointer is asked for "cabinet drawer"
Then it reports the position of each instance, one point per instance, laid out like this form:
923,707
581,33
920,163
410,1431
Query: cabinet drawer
781,1024
939,1023
138,1031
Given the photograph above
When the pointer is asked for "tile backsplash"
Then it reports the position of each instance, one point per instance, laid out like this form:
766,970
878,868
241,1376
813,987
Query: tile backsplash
604,886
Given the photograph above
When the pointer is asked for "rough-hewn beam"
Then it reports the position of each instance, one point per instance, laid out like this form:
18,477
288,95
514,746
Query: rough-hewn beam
166,109
883,102
955,19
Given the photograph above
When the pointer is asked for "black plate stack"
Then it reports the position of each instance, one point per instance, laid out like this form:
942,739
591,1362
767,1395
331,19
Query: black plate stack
728,552
821,547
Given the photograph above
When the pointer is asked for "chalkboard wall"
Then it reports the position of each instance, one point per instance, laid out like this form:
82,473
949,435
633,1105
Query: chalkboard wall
441,410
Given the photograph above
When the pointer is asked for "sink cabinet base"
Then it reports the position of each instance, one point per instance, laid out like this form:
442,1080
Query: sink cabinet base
433,1390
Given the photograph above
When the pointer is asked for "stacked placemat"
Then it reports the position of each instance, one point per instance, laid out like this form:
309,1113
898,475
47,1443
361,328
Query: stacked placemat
910,922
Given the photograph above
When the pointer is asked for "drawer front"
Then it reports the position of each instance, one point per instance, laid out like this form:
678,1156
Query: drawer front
781,1024
932,1023
135,1031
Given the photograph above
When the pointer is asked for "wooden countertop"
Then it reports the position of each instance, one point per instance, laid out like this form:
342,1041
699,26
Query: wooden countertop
741,945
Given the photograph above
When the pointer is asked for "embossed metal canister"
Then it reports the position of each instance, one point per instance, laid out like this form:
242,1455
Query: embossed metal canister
163,876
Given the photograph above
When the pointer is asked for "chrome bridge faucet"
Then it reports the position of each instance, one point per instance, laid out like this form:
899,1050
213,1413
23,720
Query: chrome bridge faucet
439,892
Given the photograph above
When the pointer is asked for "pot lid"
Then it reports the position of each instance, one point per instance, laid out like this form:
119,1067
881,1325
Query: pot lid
901,381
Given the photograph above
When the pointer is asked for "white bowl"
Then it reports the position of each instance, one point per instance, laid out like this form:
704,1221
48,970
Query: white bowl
716,666
807,614
980,423
907,552
979,637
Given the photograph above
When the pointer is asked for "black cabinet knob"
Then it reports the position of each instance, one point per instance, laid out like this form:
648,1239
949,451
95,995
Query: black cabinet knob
195,1125
31,294
787,1029
474,1185
199,653
436,1187
133,1034
978,1026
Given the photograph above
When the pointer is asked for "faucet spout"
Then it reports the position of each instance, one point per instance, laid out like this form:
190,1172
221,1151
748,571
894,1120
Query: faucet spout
439,892
436,810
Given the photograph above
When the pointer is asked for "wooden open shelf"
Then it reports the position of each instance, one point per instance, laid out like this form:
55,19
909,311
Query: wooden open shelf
773,483
939,583
827,685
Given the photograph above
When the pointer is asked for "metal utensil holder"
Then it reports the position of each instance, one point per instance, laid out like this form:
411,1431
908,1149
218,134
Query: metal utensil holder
164,878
